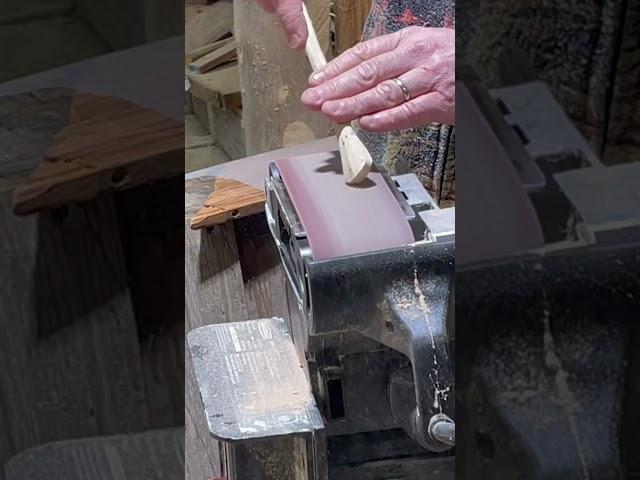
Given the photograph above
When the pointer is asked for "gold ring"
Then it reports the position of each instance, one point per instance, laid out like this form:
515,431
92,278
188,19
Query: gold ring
403,87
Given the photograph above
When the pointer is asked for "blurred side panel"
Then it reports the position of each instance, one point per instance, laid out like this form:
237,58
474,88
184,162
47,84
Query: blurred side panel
548,223
91,240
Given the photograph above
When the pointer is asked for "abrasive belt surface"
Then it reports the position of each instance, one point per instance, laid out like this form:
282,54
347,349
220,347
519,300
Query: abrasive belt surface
340,219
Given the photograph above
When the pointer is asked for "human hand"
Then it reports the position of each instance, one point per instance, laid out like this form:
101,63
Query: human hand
290,14
359,83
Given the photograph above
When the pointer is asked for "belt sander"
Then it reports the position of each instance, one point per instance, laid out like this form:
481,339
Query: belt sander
361,371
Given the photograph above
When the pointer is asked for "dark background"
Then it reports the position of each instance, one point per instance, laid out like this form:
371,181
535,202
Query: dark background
91,291
529,325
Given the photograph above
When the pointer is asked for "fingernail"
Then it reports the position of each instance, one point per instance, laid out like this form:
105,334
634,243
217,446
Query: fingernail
317,77
310,96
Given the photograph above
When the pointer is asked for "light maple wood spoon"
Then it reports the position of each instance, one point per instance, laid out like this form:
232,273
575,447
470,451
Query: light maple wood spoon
356,159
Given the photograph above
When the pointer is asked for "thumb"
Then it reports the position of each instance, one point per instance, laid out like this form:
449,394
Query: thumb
295,27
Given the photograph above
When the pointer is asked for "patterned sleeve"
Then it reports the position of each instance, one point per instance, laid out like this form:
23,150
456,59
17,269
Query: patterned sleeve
429,152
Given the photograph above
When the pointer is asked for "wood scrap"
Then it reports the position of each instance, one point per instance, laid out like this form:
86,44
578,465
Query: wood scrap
214,59
109,144
191,11
349,19
212,24
227,126
230,199
213,86
195,134
193,55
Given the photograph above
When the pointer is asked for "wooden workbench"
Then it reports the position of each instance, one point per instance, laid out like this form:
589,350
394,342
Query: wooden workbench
89,348
232,273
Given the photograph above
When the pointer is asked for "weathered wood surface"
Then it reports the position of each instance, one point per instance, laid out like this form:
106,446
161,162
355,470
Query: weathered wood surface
229,200
212,87
211,24
109,144
213,293
201,51
349,18
273,78
71,364
233,273
215,58
228,127
69,359
224,125
152,238
262,272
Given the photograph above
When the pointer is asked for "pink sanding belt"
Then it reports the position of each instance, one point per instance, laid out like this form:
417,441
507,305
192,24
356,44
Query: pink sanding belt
340,219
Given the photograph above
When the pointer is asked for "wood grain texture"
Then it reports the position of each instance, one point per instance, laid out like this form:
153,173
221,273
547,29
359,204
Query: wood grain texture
69,358
273,76
214,59
46,112
349,19
162,357
211,24
229,199
214,293
262,271
201,51
227,127
191,11
71,364
110,144
233,273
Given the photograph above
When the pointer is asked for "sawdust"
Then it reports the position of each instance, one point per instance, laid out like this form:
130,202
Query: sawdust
276,459
564,396
439,393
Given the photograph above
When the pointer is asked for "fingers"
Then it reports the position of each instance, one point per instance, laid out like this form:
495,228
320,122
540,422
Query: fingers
357,80
355,56
418,112
295,27
384,96
267,6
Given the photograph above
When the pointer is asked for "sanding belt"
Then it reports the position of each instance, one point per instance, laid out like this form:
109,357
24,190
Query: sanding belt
340,219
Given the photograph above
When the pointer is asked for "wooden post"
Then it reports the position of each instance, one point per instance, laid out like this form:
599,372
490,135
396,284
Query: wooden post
273,78
350,17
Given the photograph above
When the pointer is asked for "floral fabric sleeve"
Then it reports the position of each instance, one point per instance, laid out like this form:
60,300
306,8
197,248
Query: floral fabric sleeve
429,152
